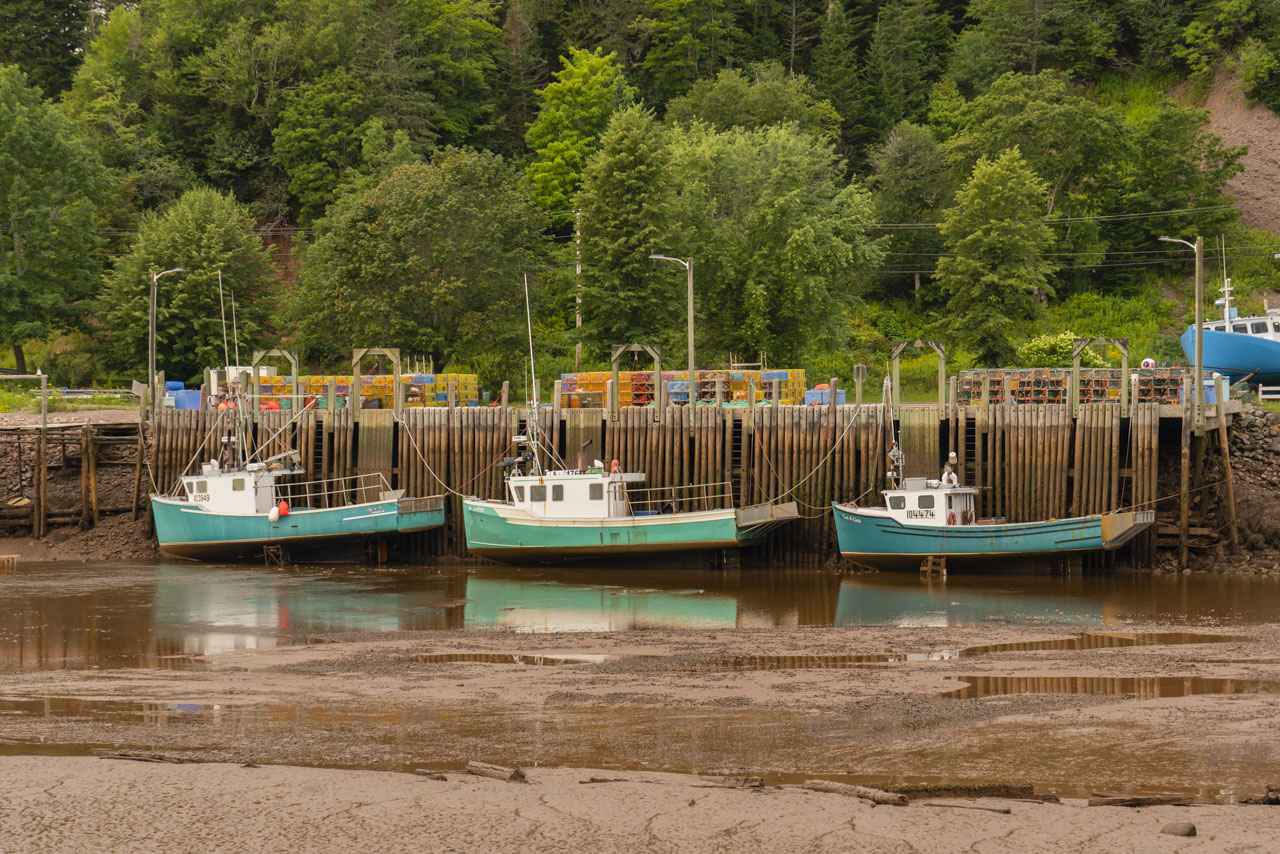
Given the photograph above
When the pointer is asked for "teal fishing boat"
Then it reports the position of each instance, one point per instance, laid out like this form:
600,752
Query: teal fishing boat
925,518
566,515
243,512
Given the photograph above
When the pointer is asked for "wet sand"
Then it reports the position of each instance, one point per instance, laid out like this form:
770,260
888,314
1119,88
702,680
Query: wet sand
73,804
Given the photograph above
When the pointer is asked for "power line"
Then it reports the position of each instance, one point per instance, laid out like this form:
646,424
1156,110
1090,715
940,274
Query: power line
1067,219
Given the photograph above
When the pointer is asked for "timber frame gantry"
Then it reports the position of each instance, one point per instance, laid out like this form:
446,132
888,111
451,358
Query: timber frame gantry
939,347
1078,347
659,389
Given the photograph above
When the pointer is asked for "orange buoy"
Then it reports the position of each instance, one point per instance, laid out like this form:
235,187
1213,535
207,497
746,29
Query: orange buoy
283,507
613,467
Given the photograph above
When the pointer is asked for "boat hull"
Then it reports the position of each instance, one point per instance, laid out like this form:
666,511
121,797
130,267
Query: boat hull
1236,356
184,530
879,542
500,532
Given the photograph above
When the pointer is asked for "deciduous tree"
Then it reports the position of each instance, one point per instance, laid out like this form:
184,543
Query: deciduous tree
995,269
50,188
575,109
203,232
429,260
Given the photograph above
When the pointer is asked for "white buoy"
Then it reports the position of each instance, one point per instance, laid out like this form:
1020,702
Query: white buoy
274,515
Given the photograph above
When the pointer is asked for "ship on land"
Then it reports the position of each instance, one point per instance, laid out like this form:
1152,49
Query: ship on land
1243,349
928,519
566,515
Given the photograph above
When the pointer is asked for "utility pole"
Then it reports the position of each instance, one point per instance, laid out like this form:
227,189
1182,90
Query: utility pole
1197,384
577,272
687,263
151,338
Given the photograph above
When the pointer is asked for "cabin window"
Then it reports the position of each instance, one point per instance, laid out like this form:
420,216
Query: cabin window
557,492
1275,325
538,493
1215,328
925,502
190,488
202,486
596,492
237,485
1260,327
1240,328
519,491
897,502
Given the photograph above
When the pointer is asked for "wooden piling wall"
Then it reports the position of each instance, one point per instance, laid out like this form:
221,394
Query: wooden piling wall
1030,461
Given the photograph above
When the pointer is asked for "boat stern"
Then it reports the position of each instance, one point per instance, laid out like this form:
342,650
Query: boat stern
755,522
1120,528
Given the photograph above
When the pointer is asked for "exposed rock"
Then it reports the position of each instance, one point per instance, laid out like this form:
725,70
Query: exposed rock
1179,828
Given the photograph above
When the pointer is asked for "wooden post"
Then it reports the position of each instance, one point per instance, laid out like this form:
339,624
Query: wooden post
453,394
1221,398
85,507
859,377
777,390
92,451
1184,521
834,385
38,481
506,394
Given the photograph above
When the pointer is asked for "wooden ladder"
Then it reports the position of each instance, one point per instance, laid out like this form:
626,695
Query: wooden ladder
934,565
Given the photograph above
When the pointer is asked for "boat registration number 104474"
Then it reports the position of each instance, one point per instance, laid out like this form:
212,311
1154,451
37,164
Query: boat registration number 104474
920,514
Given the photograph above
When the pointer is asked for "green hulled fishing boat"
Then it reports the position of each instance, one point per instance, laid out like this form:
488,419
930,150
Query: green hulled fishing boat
565,515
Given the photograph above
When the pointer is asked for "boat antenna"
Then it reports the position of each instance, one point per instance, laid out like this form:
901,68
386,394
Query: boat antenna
226,352
235,333
533,379
1226,283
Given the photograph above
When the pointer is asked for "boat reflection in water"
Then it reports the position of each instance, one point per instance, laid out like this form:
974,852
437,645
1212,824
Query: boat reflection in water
85,616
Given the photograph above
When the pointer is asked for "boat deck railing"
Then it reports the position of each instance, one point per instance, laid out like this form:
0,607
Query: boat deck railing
420,505
334,491
680,499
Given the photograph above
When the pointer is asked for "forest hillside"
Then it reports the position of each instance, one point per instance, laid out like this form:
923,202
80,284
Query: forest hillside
843,173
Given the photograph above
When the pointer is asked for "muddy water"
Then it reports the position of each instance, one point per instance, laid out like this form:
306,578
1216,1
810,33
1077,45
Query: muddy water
169,615
1141,687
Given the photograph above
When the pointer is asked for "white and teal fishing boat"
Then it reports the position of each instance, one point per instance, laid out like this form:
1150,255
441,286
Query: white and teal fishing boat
566,515
260,507
925,518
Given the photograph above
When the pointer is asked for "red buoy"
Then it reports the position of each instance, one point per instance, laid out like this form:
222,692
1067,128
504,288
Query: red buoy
283,507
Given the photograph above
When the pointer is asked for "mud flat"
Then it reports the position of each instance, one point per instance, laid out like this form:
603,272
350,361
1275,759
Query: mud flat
76,804
218,669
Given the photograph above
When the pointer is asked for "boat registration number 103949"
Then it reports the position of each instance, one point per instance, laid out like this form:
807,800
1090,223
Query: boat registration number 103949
920,514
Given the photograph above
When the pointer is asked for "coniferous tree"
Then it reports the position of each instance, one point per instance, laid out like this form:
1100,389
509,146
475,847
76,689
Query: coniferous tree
837,74
908,54
43,38
626,208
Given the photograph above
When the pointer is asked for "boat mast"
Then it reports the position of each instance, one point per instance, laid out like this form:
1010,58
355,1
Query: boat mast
1225,302
533,375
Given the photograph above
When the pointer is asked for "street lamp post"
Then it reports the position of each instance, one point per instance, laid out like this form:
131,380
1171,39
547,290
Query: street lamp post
151,336
1197,408
688,266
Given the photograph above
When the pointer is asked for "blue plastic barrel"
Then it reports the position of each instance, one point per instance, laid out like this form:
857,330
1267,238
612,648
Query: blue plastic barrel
173,385
187,398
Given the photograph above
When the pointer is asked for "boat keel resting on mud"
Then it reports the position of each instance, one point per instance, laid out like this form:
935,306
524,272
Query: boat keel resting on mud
558,516
925,519
239,513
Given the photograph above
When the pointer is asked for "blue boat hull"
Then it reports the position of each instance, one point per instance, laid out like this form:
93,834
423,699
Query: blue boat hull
1236,356
879,542
186,530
